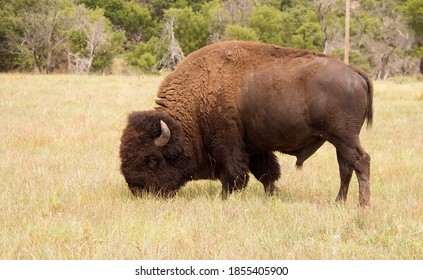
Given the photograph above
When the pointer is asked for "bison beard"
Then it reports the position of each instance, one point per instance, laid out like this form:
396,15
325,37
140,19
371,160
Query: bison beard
228,107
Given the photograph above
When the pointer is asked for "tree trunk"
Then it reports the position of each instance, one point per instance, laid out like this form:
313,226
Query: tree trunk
384,72
49,69
323,26
419,47
51,27
37,61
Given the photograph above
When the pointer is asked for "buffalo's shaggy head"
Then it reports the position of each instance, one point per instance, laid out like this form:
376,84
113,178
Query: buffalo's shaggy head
152,154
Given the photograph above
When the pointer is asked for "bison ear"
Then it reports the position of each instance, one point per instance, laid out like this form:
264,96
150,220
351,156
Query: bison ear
164,137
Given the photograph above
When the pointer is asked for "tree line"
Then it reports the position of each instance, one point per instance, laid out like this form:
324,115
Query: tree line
83,36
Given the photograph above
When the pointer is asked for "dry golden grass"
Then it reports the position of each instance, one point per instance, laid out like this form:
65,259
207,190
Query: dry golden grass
62,195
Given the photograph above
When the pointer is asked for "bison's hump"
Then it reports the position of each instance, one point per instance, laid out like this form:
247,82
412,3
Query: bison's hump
209,79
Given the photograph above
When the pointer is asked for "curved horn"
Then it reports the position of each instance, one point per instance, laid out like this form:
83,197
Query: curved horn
163,139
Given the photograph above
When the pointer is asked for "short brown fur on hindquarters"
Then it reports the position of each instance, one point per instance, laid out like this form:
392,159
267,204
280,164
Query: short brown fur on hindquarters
231,105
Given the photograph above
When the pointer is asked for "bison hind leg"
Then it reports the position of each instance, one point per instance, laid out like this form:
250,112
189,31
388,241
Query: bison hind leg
265,167
345,172
351,156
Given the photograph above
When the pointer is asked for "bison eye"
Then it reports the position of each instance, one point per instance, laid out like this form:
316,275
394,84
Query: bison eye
152,162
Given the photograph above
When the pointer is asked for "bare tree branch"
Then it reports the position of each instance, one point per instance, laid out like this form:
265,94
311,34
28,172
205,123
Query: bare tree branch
174,53
94,30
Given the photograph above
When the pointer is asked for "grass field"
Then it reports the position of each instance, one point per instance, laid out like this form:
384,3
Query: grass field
62,195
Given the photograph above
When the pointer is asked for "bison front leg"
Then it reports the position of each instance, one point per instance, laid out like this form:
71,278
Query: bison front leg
266,169
233,169
227,149
232,164
231,183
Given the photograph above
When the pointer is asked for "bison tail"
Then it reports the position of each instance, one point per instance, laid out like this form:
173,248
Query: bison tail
369,112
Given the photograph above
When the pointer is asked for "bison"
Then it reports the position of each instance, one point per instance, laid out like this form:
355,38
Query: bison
228,107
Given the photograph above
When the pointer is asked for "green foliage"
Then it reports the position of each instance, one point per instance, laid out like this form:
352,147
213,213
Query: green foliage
237,32
191,28
269,24
217,18
93,40
413,10
418,51
158,7
377,29
144,55
302,11
308,36
7,23
104,57
130,16
273,3
367,24
296,26
77,40
355,58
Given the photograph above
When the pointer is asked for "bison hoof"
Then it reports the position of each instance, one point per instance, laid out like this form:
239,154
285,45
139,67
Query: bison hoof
365,203
272,189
